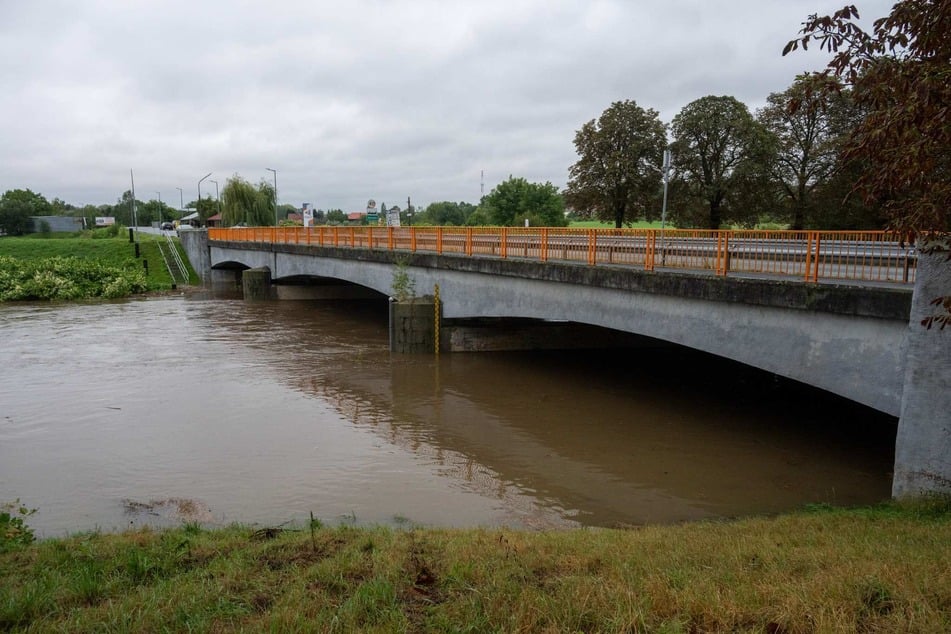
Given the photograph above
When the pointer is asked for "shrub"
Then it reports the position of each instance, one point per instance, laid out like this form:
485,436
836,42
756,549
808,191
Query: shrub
14,531
64,278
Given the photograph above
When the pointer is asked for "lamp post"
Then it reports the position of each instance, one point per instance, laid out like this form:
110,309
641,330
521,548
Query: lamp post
665,177
198,202
217,197
181,199
159,210
663,209
275,194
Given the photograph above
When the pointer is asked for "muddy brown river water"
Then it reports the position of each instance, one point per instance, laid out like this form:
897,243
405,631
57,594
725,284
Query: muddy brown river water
162,410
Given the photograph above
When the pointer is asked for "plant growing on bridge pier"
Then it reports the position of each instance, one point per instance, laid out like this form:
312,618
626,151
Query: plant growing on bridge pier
404,286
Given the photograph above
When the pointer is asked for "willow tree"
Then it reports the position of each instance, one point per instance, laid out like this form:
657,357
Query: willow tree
616,177
242,202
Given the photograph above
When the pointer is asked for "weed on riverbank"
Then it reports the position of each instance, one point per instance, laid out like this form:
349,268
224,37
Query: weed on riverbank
879,569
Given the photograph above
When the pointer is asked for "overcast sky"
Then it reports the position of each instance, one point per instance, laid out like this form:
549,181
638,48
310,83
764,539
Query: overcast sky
359,99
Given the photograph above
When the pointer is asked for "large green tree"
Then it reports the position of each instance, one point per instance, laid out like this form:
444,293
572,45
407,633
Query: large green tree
719,151
516,200
616,177
16,207
807,139
445,213
900,79
242,202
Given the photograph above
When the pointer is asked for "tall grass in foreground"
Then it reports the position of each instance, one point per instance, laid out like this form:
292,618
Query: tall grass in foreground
884,570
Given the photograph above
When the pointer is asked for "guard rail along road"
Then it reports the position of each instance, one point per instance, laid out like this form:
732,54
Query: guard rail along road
812,256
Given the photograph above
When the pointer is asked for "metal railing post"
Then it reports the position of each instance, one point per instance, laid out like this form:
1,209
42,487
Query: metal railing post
649,241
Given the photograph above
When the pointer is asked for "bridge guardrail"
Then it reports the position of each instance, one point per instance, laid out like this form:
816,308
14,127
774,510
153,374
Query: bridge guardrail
870,256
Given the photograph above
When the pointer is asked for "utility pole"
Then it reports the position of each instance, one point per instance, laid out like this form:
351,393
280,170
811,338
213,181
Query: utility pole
135,224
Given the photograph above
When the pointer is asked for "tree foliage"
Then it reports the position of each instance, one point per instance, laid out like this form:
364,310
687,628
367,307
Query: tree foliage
806,145
445,213
900,78
719,152
516,200
16,207
613,179
242,202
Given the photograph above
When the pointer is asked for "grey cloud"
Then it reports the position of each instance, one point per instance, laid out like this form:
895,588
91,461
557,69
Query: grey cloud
359,99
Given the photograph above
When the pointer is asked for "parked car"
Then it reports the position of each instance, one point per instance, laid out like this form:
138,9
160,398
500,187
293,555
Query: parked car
167,226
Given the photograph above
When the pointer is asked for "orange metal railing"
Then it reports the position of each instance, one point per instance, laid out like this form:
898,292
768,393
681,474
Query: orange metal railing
869,256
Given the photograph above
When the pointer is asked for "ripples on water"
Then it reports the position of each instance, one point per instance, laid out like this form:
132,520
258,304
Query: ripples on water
122,413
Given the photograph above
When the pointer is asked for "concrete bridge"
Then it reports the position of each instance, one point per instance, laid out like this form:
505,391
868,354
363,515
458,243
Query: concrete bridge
861,342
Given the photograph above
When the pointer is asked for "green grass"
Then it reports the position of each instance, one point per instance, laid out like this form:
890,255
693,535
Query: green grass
117,252
881,569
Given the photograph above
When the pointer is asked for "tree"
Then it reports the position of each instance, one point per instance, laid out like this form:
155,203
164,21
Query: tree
14,216
445,213
719,151
900,79
242,202
515,200
59,207
806,144
153,211
616,177
336,217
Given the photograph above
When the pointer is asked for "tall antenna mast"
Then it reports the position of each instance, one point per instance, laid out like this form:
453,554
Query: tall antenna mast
482,183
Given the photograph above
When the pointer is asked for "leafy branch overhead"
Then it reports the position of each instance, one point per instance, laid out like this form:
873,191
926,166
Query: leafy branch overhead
900,78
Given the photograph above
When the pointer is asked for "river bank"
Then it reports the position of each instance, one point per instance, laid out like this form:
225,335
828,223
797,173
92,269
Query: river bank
82,266
880,569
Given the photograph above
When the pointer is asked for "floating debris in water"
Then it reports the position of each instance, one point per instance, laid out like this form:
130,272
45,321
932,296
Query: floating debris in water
180,509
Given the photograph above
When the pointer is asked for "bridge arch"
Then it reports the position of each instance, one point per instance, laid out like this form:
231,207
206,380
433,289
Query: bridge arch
857,356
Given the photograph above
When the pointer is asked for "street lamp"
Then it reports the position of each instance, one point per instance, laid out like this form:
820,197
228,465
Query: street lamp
159,209
217,197
198,203
181,199
665,175
275,194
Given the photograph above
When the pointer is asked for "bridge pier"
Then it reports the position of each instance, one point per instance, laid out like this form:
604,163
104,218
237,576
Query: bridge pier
256,284
413,325
923,443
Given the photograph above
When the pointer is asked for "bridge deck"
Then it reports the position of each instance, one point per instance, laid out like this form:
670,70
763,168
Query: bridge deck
811,256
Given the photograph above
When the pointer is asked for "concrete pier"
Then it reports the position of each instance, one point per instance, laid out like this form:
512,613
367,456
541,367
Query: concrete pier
413,326
256,284
923,443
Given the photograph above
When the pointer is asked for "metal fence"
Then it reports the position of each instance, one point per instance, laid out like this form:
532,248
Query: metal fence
868,256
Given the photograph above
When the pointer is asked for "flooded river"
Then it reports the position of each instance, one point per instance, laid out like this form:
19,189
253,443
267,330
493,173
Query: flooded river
162,410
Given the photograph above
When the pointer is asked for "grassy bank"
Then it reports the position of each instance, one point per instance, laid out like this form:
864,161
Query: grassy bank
113,257
884,569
